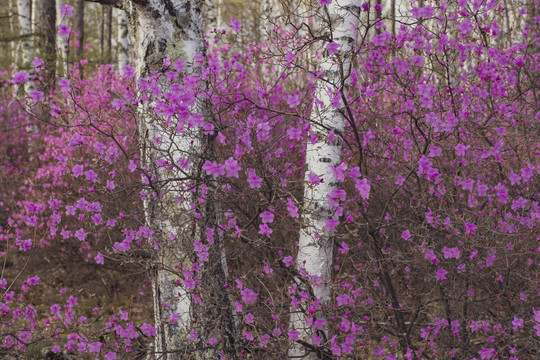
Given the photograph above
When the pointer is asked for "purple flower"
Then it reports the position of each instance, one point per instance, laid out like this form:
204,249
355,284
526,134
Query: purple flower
441,275
148,330
406,235
64,30
99,259
235,25
66,11
331,224
37,96
248,296
470,228
332,48
325,2
231,167
80,234
253,180
20,77
267,217
288,261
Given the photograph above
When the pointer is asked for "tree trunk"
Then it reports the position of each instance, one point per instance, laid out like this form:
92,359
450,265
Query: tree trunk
26,47
123,38
62,65
49,49
107,29
316,240
176,32
79,28
12,44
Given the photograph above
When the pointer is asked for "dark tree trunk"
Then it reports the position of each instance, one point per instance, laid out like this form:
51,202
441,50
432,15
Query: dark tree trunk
79,28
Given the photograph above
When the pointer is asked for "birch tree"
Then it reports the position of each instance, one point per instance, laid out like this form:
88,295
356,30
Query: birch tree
176,195
62,65
123,38
322,156
26,47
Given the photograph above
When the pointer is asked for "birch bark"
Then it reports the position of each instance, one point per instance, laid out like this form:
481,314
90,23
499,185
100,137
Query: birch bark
174,29
316,241
25,49
62,65
123,38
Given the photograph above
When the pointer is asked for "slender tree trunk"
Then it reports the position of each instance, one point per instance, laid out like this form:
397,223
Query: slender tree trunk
107,58
102,32
123,38
79,28
12,44
316,240
393,16
26,46
62,65
49,34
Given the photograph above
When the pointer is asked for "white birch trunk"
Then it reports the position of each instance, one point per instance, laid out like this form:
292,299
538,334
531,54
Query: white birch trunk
316,242
176,31
123,38
26,46
62,65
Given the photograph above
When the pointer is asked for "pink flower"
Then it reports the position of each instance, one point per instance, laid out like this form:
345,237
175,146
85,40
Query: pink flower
288,261
325,2
517,323
95,347
332,48
267,217
235,25
20,77
249,318
249,296
441,275
64,30
406,235
110,355
64,85
66,11
148,329
470,228
80,234
292,209
78,170
91,175
37,96
331,224
213,169
37,63
293,335
293,100
363,187
99,259
449,253
253,180
265,230
486,353
231,167
313,178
